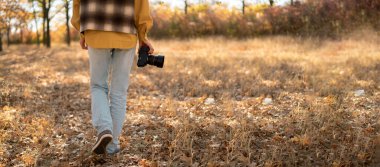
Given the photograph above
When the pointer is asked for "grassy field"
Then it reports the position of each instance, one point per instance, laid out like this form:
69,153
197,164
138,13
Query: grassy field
275,101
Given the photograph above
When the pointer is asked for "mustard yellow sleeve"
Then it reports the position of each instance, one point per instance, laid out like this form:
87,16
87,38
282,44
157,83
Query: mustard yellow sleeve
75,20
143,19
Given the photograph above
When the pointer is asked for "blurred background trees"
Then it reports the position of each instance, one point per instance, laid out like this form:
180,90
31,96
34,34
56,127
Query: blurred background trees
25,21
13,17
326,18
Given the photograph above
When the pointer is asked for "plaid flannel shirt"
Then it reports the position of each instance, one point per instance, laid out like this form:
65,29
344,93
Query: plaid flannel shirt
107,15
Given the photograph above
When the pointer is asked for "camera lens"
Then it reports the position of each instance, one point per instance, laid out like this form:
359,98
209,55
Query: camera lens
157,61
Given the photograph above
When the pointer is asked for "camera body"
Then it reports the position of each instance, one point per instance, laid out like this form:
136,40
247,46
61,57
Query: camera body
145,58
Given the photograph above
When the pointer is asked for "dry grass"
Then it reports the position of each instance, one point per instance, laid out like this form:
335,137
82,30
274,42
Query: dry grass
314,120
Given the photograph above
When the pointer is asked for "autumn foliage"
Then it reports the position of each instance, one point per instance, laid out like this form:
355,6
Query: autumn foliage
313,17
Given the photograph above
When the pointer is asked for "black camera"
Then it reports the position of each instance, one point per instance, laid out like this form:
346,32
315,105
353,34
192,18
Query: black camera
145,58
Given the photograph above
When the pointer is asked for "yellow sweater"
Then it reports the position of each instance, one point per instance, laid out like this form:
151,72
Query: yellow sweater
110,39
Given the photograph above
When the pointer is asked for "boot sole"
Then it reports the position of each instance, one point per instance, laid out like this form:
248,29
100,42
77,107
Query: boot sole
100,147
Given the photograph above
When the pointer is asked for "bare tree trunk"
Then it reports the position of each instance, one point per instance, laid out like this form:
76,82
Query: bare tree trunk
291,2
46,6
68,37
243,8
271,2
48,40
44,22
186,6
35,22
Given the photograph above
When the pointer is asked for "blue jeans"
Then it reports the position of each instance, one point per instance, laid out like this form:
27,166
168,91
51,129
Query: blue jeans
108,108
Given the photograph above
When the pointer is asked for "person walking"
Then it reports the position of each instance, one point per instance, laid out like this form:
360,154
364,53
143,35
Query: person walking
109,31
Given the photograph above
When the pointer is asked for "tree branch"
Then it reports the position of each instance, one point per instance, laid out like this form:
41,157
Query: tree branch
58,11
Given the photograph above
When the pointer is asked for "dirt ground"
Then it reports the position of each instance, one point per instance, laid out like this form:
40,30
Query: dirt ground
275,101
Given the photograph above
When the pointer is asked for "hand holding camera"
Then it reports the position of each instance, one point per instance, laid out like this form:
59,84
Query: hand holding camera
146,58
147,43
